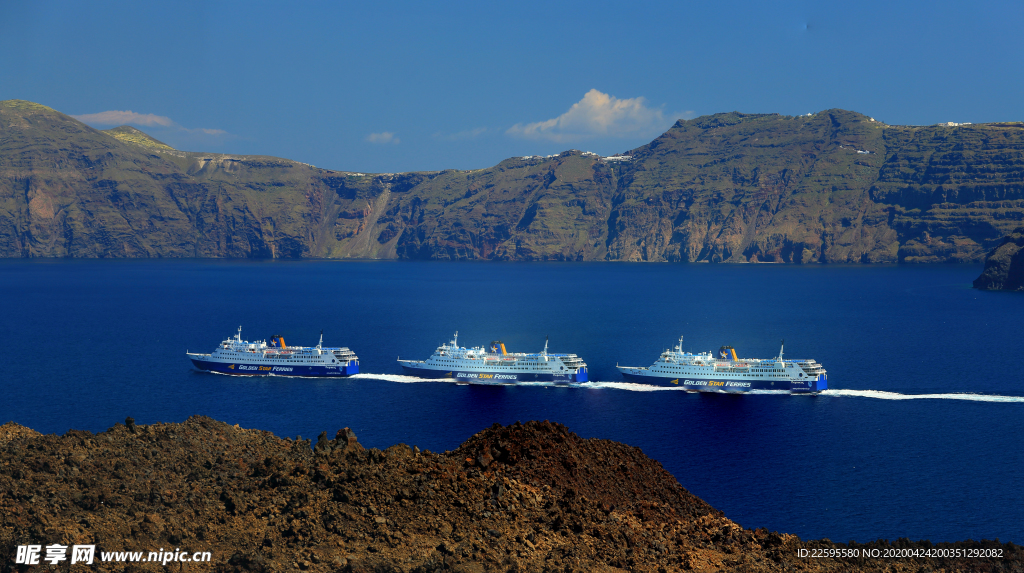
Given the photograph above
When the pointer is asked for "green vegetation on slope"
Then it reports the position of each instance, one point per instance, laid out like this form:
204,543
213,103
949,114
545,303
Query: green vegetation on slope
834,186
25,106
129,134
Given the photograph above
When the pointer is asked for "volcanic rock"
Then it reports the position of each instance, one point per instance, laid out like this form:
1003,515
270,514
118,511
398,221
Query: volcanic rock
1004,265
547,500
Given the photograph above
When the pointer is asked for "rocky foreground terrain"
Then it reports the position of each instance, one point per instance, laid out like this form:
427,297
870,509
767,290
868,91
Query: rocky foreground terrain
1004,265
831,187
525,497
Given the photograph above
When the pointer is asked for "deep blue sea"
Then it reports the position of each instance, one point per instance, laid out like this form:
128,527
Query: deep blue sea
921,435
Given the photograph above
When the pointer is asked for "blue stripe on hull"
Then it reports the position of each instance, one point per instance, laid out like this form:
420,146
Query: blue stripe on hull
730,386
495,377
307,371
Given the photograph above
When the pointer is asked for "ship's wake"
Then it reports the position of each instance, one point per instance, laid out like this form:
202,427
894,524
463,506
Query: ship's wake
882,395
877,394
401,379
614,385
630,386
634,387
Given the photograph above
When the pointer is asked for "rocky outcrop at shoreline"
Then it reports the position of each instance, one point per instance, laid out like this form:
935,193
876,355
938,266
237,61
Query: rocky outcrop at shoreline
1004,265
524,497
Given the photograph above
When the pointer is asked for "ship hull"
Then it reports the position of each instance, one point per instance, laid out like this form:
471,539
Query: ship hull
301,370
734,386
495,378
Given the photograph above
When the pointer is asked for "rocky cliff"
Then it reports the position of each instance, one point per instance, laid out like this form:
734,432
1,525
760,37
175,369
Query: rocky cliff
67,190
1004,265
525,497
832,187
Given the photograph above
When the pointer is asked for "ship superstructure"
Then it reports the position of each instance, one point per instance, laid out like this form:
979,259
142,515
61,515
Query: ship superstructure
479,365
259,358
706,372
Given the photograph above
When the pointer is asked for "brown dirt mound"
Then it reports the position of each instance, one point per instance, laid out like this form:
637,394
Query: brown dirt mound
526,497
11,431
611,474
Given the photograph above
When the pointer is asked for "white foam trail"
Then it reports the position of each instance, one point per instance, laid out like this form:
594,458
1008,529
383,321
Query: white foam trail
881,395
631,386
399,378
634,387
263,376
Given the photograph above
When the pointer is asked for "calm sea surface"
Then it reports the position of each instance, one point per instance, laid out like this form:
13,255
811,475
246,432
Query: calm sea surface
922,435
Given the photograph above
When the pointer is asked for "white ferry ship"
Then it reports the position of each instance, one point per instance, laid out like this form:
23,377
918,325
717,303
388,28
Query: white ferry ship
497,366
726,373
241,357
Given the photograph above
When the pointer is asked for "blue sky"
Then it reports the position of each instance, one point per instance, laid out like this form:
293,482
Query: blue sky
405,86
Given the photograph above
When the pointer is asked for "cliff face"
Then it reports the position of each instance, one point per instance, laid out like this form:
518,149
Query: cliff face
738,188
835,187
832,187
525,497
67,190
1004,265
952,193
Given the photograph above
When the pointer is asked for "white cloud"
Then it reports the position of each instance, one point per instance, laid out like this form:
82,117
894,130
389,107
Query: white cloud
383,137
597,115
461,135
125,117
162,125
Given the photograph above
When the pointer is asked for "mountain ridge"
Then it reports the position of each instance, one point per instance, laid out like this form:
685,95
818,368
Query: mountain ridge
831,187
